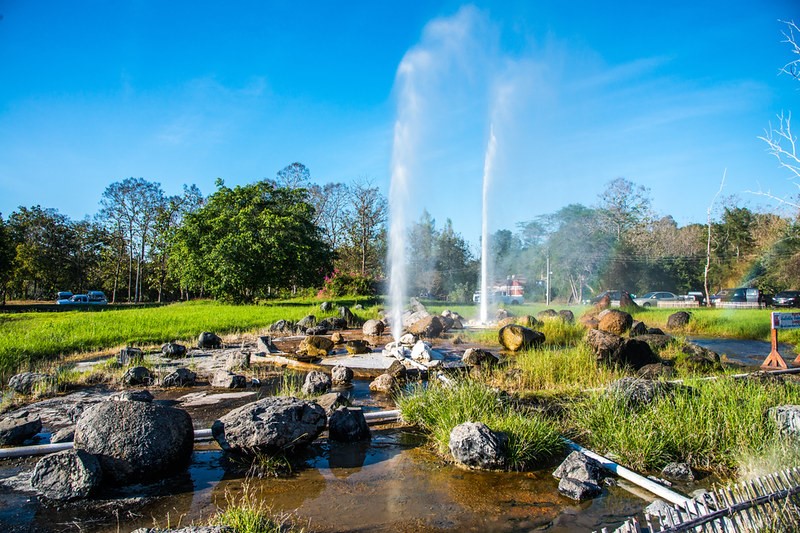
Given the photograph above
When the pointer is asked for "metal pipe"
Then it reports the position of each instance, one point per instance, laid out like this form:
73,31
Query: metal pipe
382,416
647,484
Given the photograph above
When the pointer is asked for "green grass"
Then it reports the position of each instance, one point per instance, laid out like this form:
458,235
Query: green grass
438,409
248,513
714,425
555,371
732,323
28,338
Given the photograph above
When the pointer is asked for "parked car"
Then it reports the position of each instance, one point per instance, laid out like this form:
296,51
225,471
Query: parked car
63,295
696,296
90,298
97,297
739,294
613,295
787,299
651,299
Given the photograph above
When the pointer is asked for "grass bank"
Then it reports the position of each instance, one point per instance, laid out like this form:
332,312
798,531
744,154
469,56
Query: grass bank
711,424
28,338
438,409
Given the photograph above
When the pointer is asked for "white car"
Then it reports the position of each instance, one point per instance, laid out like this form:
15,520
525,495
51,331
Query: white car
651,299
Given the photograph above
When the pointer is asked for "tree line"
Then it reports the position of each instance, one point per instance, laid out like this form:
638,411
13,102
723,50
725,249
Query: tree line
264,239
273,238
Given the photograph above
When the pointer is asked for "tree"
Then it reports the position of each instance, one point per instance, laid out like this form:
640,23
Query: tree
623,205
294,176
6,259
131,207
245,242
44,241
780,140
366,229
169,217
332,211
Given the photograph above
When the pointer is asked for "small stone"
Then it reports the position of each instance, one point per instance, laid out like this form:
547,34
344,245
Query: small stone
181,377
137,375
384,383
678,472
578,490
131,396
316,383
209,340
341,375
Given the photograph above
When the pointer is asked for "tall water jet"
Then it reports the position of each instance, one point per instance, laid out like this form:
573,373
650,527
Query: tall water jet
398,192
488,162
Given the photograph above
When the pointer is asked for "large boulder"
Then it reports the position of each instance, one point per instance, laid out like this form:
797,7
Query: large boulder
348,425
270,425
373,327
137,375
316,383
308,321
428,327
678,320
208,340
614,350
135,441
473,444
315,345
333,323
514,337
180,377
615,321
67,475
18,427
567,316
25,382
547,314
479,357
172,349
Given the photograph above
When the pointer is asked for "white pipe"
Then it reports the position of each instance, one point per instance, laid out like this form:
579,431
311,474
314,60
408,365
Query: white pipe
648,484
41,449
382,416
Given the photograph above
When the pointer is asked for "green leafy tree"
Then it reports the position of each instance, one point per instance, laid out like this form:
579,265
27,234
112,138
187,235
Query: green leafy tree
246,242
6,258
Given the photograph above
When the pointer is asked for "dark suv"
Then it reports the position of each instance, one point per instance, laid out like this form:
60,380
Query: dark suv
787,299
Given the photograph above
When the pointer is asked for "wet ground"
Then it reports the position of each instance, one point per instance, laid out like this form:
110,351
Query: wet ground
393,483
745,353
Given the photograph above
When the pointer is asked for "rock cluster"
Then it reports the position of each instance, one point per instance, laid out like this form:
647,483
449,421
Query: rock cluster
580,477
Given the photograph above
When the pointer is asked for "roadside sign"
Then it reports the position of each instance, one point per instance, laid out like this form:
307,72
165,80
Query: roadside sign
785,320
780,321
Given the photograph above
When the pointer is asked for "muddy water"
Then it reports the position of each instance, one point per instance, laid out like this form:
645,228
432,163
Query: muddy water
745,353
391,484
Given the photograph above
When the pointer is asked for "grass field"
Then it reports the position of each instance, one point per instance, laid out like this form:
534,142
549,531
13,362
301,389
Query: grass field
28,338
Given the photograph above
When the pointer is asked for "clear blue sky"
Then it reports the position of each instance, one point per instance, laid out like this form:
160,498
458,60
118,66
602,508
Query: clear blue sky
579,93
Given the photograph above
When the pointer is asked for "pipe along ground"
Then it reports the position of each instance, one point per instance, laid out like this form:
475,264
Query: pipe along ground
378,417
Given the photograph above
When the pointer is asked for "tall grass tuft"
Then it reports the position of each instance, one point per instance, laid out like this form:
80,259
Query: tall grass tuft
249,514
438,409
567,370
711,424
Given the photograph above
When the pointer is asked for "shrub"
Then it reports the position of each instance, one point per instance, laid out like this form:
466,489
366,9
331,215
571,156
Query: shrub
339,284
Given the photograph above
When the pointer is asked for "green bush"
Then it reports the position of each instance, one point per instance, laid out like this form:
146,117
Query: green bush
339,284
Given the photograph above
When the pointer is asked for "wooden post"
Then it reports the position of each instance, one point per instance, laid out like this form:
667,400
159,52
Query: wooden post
774,359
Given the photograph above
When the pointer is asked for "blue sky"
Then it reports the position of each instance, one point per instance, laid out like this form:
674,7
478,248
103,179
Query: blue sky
577,94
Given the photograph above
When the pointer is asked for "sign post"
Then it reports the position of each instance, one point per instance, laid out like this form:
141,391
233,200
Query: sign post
774,360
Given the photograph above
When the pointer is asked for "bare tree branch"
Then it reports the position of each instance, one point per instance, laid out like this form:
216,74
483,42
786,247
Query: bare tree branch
792,68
